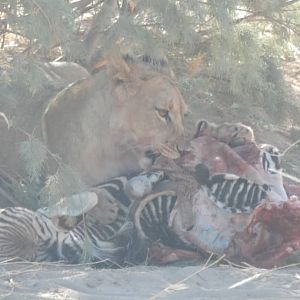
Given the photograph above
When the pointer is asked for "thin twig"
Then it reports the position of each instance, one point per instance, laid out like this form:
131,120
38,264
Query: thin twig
290,147
264,272
17,273
244,281
283,153
49,264
286,175
43,13
4,36
236,265
3,116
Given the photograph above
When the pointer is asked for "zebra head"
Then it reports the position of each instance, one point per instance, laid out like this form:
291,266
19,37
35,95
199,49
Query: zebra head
271,164
270,159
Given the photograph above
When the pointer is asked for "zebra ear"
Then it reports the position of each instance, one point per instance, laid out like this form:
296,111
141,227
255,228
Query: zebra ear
200,127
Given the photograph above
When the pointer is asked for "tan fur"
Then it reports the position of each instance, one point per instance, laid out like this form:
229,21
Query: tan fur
103,125
233,134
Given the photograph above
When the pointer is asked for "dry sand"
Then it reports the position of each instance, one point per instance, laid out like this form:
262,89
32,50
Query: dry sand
42,281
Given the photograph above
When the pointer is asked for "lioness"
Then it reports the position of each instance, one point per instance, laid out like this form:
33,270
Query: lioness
103,125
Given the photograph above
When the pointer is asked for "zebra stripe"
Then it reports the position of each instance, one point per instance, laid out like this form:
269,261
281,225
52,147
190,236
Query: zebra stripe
123,189
152,220
27,235
116,189
236,194
270,159
31,236
85,243
272,171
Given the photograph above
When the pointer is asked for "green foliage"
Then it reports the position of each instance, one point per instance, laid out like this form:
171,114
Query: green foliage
48,22
239,44
64,182
34,155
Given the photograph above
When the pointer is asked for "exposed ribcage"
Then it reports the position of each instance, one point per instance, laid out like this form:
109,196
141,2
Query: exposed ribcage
119,190
152,220
236,194
110,241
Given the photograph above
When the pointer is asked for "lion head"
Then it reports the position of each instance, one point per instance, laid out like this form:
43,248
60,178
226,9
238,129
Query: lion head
103,125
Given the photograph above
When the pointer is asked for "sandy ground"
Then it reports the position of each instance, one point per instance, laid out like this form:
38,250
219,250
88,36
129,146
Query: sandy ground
28,281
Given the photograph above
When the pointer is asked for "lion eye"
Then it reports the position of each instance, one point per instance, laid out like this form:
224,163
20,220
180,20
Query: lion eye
163,113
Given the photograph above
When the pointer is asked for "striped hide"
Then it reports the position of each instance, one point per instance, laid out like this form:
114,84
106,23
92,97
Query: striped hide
236,194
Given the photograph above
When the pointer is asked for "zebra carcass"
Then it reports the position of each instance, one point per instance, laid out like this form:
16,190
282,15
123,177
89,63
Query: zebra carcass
267,234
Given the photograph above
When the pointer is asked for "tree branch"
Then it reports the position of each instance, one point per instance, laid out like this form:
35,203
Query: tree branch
86,8
291,2
3,32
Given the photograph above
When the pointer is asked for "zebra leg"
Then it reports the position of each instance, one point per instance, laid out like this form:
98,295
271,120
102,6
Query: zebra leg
85,243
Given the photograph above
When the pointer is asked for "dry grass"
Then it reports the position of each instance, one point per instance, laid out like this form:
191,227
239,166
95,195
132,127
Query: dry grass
210,280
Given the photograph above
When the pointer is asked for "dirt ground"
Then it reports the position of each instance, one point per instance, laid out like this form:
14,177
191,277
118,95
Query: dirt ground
27,281
42,281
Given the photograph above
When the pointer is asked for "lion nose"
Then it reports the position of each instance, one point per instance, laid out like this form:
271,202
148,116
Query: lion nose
177,123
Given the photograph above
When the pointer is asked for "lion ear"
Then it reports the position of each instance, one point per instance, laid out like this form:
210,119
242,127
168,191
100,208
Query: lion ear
118,69
200,127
